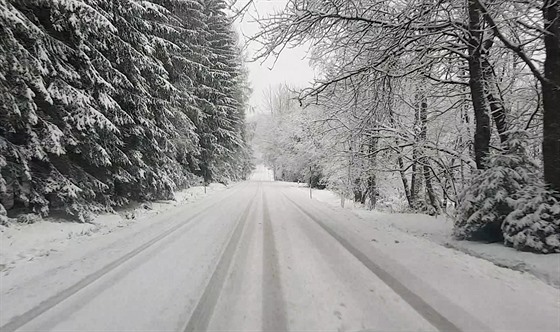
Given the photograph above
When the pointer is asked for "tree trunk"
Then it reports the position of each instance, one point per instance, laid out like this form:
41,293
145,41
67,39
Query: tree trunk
359,191
444,202
476,83
358,194
551,94
400,161
404,180
416,178
372,180
423,116
418,153
422,137
434,202
372,192
495,100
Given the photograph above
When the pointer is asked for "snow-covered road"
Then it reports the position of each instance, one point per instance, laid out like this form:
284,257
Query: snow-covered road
263,256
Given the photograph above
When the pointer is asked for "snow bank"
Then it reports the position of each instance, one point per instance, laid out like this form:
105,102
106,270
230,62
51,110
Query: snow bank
439,230
26,242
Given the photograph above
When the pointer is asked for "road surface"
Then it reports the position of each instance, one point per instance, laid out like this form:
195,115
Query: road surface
263,256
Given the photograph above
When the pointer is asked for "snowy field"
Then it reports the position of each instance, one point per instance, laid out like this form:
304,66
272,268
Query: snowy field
438,230
20,243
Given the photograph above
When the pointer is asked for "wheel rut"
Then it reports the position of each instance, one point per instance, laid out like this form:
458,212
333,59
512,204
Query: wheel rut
202,313
21,320
273,304
427,311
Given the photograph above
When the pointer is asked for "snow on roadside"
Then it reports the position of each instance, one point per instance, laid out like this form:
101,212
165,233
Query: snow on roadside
438,230
27,242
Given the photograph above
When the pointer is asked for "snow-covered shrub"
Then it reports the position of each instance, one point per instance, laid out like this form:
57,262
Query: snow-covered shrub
535,223
3,215
493,191
28,218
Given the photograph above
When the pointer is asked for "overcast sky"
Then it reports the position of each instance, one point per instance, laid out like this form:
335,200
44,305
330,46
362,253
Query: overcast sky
292,66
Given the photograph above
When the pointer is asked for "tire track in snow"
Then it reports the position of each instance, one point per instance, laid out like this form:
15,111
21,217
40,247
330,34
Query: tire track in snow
26,317
273,304
202,313
416,302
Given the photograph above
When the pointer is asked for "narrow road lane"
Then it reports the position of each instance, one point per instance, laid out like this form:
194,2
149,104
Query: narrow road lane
263,256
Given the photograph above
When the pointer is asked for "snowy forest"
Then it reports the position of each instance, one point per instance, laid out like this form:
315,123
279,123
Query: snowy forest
438,107
423,106
104,102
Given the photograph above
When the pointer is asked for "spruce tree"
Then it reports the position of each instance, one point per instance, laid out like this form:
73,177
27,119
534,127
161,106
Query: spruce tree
223,119
534,224
491,196
53,125
107,101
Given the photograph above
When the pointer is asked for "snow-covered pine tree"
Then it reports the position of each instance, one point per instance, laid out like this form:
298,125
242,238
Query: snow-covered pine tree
222,120
102,100
242,164
493,192
161,159
534,225
236,162
181,44
54,130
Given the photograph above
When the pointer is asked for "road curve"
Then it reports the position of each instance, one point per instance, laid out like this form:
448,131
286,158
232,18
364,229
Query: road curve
260,256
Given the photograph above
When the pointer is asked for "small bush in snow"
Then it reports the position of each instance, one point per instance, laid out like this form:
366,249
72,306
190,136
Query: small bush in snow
493,192
3,216
535,223
28,218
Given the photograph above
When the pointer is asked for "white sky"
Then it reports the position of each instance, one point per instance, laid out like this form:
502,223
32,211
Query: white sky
292,67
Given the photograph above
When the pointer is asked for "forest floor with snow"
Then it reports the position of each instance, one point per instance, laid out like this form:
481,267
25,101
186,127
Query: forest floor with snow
439,230
21,243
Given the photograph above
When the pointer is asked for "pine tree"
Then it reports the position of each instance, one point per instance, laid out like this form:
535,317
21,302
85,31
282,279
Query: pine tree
165,133
534,225
180,43
103,101
52,124
222,119
491,196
